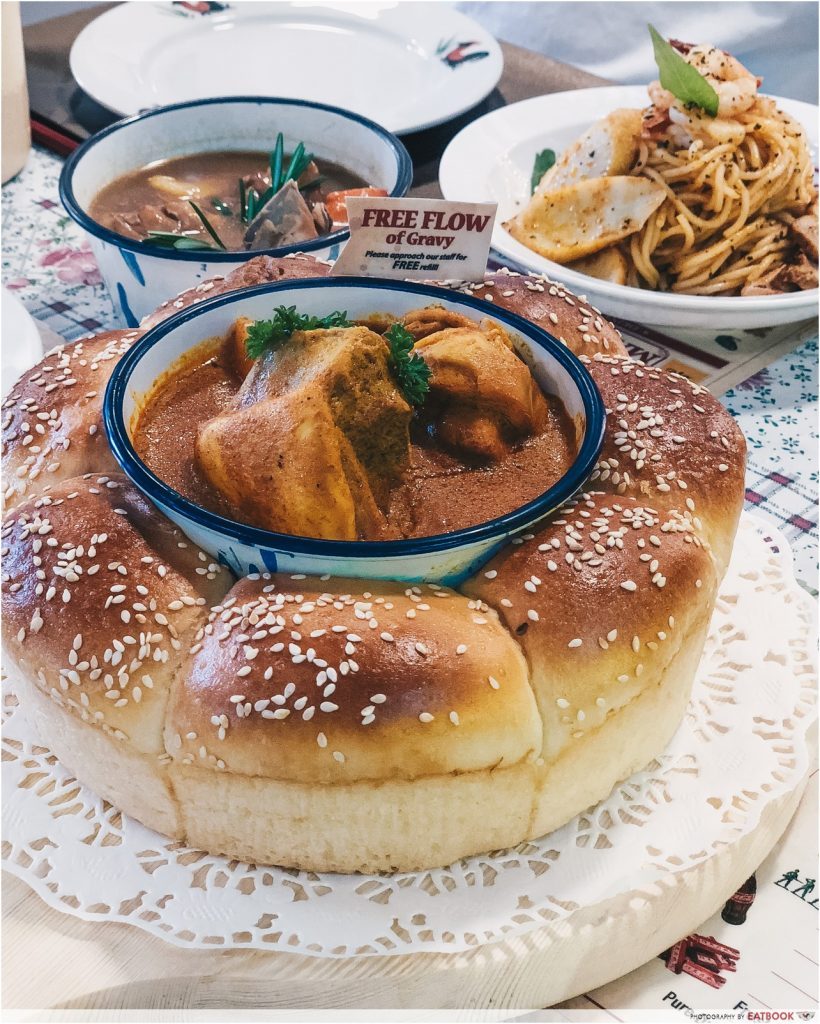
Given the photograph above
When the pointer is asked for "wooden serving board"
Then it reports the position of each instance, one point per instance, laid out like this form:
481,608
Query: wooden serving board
56,962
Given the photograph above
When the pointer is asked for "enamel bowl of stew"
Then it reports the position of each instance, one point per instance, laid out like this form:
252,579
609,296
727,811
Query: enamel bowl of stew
182,193
353,427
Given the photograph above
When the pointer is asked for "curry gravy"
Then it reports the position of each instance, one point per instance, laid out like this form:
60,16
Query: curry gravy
439,492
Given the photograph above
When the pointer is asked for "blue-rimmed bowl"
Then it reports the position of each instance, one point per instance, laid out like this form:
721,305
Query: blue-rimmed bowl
446,558
139,276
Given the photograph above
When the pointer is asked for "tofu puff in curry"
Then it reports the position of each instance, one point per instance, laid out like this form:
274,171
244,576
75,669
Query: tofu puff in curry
381,429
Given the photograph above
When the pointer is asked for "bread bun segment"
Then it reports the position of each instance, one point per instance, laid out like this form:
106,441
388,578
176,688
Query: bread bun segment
259,270
649,572
135,782
300,680
52,418
548,304
406,734
630,741
102,596
603,601
671,444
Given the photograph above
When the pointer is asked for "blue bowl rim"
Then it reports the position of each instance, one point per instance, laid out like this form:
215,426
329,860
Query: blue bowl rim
494,529
404,177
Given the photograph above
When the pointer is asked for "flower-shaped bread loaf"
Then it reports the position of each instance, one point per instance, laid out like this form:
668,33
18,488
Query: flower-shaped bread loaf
340,724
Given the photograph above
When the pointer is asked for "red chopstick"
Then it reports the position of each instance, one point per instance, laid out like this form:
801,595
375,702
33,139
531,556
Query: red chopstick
46,133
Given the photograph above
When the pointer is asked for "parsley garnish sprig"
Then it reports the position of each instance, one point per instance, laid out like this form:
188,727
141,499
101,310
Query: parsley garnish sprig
411,373
265,334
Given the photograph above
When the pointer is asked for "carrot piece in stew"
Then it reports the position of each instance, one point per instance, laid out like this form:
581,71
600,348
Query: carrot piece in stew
336,202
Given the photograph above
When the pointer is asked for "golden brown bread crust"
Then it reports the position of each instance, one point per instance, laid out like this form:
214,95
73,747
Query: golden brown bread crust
671,444
101,595
291,680
259,270
625,741
548,304
52,417
651,576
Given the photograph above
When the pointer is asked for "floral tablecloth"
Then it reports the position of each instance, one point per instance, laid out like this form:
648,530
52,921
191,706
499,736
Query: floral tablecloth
46,261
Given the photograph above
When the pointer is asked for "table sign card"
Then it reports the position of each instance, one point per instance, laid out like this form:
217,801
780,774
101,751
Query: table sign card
417,239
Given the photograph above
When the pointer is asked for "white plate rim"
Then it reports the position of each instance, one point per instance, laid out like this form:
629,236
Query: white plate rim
141,21
460,176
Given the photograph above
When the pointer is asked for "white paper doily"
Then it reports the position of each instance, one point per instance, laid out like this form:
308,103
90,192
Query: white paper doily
741,746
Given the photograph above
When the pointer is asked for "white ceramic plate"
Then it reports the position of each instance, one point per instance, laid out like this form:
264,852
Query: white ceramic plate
407,66
491,161
19,339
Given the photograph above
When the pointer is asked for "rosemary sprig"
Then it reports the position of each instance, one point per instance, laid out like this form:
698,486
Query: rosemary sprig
250,202
253,204
302,166
276,158
221,207
296,164
266,334
168,240
411,373
207,225
243,201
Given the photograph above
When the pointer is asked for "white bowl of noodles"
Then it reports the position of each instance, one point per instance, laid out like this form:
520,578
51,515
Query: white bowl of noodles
491,160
